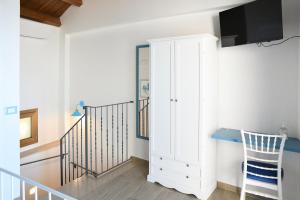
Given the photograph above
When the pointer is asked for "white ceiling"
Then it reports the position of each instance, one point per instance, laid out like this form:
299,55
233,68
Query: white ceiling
99,13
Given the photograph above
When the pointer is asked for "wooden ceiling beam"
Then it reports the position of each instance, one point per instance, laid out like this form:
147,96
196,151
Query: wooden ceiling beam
73,2
40,17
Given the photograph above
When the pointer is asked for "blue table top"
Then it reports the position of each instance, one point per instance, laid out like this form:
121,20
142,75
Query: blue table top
234,135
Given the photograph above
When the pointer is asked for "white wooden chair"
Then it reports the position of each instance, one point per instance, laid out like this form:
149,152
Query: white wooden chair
262,172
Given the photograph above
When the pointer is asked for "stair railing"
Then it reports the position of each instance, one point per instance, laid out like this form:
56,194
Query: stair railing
96,143
13,186
74,137
143,125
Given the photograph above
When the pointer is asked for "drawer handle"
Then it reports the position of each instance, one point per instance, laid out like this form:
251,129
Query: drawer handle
160,169
160,158
187,177
187,165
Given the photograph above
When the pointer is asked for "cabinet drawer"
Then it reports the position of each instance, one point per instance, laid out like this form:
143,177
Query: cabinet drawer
177,166
189,181
182,179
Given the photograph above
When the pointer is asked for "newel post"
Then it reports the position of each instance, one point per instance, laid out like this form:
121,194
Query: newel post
86,138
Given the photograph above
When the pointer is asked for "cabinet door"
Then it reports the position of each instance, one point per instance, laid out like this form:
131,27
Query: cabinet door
161,64
187,94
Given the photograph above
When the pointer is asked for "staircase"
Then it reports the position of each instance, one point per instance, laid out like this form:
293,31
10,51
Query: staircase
93,146
96,143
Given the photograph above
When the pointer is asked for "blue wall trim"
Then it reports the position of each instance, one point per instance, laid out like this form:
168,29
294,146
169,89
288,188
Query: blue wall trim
138,89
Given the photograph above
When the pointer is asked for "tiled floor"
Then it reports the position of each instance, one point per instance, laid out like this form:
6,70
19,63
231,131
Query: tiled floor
129,183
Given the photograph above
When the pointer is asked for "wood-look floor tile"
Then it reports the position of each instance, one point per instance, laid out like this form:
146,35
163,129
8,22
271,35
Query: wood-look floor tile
129,183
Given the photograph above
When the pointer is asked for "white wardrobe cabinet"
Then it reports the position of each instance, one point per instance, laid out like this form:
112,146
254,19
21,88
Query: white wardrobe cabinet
184,95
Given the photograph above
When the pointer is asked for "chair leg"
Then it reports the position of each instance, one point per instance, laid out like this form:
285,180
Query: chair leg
243,194
280,191
243,191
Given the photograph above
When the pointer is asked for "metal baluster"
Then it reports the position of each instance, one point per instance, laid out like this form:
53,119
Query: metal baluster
107,137
96,167
81,147
147,122
112,134
73,153
65,158
101,137
49,196
143,120
91,141
126,130
139,121
69,155
61,161
117,134
86,140
122,133
77,149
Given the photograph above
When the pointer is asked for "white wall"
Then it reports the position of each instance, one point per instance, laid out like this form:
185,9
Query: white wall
102,62
100,13
259,91
40,79
268,85
258,86
40,171
41,86
9,86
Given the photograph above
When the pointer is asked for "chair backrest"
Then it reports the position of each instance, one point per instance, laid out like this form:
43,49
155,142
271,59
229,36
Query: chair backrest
266,148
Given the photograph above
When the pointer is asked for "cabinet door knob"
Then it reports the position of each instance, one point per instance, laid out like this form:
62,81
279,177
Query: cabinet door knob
176,100
160,169
172,99
187,177
187,165
160,158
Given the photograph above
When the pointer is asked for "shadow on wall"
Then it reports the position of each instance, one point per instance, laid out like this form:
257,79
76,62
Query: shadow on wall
216,25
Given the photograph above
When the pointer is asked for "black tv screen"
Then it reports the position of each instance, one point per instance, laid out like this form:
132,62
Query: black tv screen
258,21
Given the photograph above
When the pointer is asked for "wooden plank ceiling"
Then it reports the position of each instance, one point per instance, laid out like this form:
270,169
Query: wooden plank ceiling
46,11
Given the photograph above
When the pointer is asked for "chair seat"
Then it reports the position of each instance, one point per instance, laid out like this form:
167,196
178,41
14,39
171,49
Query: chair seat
262,172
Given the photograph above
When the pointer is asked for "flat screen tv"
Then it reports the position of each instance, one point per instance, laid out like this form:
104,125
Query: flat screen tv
258,21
